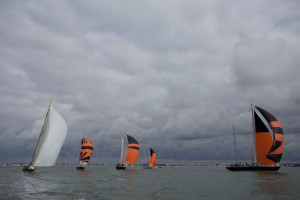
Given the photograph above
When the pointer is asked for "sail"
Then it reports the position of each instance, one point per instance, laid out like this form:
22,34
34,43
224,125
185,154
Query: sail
86,150
131,149
152,160
51,139
269,138
124,149
122,152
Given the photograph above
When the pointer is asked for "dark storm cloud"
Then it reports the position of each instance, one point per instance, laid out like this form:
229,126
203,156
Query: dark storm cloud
174,74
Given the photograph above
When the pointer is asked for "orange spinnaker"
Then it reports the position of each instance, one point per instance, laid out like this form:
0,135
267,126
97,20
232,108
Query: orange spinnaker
133,153
152,160
269,145
86,150
264,143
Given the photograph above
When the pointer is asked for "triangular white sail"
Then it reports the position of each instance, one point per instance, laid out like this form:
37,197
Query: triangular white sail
122,152
125,150
51,139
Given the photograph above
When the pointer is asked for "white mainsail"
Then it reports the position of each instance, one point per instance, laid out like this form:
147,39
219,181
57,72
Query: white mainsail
51,139
125,150
122,152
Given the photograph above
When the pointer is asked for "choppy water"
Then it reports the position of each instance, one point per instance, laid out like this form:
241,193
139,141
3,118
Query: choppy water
104,182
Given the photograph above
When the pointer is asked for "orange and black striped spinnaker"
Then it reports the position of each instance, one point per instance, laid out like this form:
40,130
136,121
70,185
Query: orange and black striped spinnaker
86,150
276,150
133,150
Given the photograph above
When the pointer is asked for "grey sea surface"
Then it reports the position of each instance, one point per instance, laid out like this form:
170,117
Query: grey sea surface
134,183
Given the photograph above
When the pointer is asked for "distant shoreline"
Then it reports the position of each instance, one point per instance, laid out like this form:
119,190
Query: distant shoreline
162,165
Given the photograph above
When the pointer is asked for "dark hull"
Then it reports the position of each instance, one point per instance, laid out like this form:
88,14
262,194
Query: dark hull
79,168
26,169
147,168
253,168
122,167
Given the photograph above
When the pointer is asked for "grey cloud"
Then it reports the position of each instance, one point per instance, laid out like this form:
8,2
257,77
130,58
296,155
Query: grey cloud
175,75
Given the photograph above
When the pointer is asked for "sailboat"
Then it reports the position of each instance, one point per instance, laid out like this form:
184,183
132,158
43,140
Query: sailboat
268,142
129,152
51,139
152,160
86,153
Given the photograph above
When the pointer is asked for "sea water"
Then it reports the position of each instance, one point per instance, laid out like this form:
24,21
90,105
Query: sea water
134,183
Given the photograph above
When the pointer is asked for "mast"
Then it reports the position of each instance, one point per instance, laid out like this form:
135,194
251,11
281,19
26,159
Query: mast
254,134
122,151
234,143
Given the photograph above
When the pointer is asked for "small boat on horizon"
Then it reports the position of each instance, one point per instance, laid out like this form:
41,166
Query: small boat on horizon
129,152
51,139
86,152
152,160
268,143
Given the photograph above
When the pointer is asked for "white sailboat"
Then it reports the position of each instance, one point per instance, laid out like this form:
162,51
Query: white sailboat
52,137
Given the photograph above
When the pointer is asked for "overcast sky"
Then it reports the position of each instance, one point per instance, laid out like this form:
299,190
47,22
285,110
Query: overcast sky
173,74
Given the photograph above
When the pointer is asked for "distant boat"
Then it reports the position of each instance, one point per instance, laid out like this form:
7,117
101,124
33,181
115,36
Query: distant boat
268,142
86,153
129,152
52,137
152,160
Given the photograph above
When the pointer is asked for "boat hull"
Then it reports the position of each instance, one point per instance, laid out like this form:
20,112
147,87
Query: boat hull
147,167
253,168
27,169
121,167
80,168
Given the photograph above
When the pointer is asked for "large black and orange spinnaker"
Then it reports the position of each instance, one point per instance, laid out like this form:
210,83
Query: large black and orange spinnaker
129,152
268,142
269,139
86,152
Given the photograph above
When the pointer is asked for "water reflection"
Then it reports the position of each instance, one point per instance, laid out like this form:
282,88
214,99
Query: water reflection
131,186
273,183
84,175
131,171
